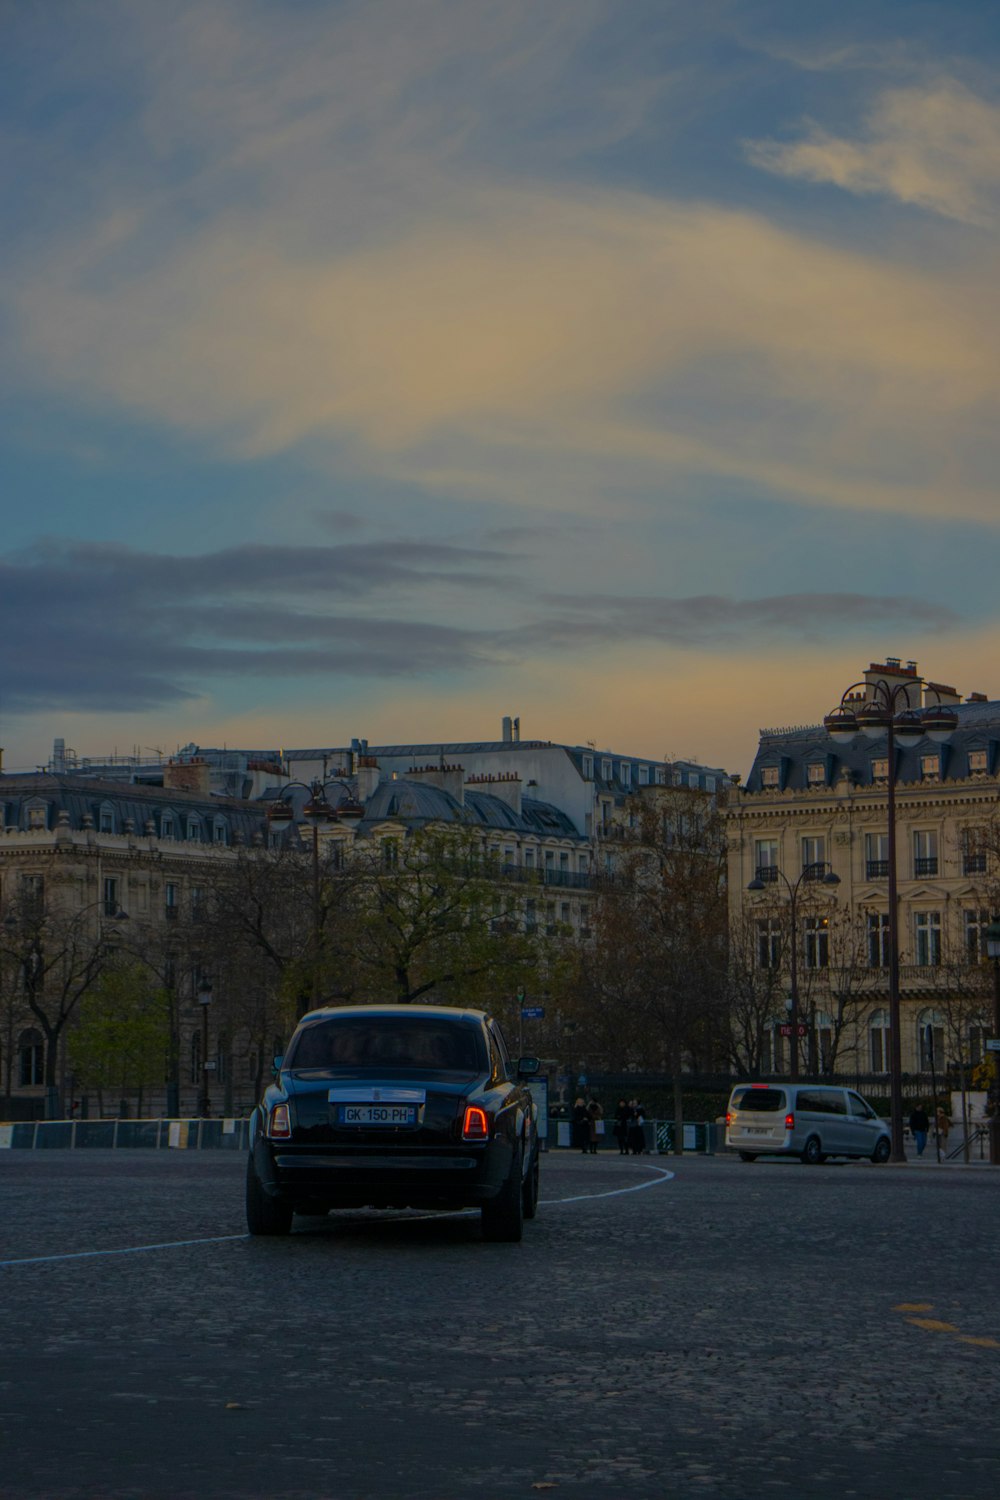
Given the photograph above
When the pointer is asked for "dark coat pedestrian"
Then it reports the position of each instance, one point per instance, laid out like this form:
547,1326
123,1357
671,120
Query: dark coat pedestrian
919,1126
595,1118
581,1126
623,1117
637,1129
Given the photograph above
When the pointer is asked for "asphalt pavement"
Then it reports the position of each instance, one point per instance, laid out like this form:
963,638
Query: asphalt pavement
668,1328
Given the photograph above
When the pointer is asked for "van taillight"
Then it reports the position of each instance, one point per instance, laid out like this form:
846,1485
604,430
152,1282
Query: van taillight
729,1117
789,1122
476,1125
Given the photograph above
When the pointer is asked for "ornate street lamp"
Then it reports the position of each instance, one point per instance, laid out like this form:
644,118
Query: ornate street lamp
204,1000
880,714
757,884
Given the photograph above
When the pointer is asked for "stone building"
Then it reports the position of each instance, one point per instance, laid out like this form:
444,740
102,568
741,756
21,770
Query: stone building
811,808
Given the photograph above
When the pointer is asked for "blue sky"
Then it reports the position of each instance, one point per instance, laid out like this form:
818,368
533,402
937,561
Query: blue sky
384,368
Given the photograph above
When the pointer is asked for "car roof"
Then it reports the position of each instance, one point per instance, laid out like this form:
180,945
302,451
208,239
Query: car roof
329,1012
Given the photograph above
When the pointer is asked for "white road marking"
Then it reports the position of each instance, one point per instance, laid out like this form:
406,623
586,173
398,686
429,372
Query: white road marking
220,1239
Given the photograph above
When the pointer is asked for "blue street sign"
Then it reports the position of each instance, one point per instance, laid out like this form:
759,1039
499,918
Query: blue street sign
532,1012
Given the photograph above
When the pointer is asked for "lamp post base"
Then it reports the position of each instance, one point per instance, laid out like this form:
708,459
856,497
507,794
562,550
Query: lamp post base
995,1140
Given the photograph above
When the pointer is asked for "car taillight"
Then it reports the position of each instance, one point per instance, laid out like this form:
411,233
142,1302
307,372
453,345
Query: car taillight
476,1125
280,1126
789,1122
729,1117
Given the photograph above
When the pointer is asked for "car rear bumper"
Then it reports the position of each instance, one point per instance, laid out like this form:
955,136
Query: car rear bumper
342,1177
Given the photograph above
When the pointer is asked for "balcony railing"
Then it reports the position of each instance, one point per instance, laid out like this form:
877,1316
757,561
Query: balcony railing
877,869
926,866
768,874
974,864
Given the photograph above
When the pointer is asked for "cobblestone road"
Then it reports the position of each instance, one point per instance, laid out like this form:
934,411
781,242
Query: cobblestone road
732,1331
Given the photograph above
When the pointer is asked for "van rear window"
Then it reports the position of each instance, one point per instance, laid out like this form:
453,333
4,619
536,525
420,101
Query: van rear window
758,1101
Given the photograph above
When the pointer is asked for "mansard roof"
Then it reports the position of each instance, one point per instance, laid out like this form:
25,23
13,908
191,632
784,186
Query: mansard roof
417,803
83,797
790,752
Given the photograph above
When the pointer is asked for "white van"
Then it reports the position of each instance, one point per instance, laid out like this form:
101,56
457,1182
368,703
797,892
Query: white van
808,1120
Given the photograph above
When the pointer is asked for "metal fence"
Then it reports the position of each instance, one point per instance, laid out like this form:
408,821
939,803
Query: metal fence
125,1135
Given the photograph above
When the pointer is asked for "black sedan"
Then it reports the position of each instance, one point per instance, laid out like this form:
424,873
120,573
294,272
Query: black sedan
395,1106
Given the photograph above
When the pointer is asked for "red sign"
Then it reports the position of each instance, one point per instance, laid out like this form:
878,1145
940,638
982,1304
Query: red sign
800,1030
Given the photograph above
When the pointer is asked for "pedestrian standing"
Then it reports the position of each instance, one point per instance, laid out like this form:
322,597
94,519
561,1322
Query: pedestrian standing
919,1126
581,1127
595,1122
623,1117
637,1128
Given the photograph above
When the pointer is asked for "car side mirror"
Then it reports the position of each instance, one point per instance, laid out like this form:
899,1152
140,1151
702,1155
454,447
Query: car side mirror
527,1067
276,1062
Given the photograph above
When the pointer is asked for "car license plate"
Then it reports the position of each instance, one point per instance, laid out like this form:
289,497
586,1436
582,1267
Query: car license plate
377,1114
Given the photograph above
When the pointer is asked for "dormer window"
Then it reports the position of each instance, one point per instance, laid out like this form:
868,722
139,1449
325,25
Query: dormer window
606,770
644,776
816,773
193,830
769,776
880,770
930,766
166,826
979,760
588,768
106,819
38,816
625,772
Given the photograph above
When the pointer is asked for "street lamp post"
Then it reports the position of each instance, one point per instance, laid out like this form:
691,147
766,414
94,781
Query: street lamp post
204,1000
881,714
315,811
993,949
792,887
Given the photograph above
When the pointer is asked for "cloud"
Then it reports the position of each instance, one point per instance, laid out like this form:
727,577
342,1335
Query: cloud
115,629
935,146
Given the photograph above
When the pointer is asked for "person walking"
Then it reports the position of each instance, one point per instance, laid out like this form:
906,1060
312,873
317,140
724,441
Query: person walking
919,1126
595,1119
943,1126
623,1116
581,1127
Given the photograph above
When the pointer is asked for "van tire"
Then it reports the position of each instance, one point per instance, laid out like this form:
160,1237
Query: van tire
812,1152
882,1152
748,1156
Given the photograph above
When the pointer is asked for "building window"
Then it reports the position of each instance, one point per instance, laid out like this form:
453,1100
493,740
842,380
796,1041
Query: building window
31,1059
166,826
925,852
605,770
643,776
529,859
877,856
390,854
817,942
107,820
976,923
927,935
625,772
768,943
816,773
880,769
588,768
979,760
766,859
221,833
878,1041
170,902
930,1041
974,851
564,914
878,940
530,915
930,766
824,1041
769,776
110,896
814,857
32,889
197,903
38,817
193,830
661,776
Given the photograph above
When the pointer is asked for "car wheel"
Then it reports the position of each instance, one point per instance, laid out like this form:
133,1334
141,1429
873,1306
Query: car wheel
503,1216
529,1193
265,1215
812,1152
748,1156
882,1152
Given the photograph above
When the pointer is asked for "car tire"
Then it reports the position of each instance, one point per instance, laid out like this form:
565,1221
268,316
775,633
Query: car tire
812,1152
265,1215
882,1152
503,1216
529,1193
748,1156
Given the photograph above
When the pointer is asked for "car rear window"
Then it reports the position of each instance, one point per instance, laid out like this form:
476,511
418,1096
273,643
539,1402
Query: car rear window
389,1042
758,1101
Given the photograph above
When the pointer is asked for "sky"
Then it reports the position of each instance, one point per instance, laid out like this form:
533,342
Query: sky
379,368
